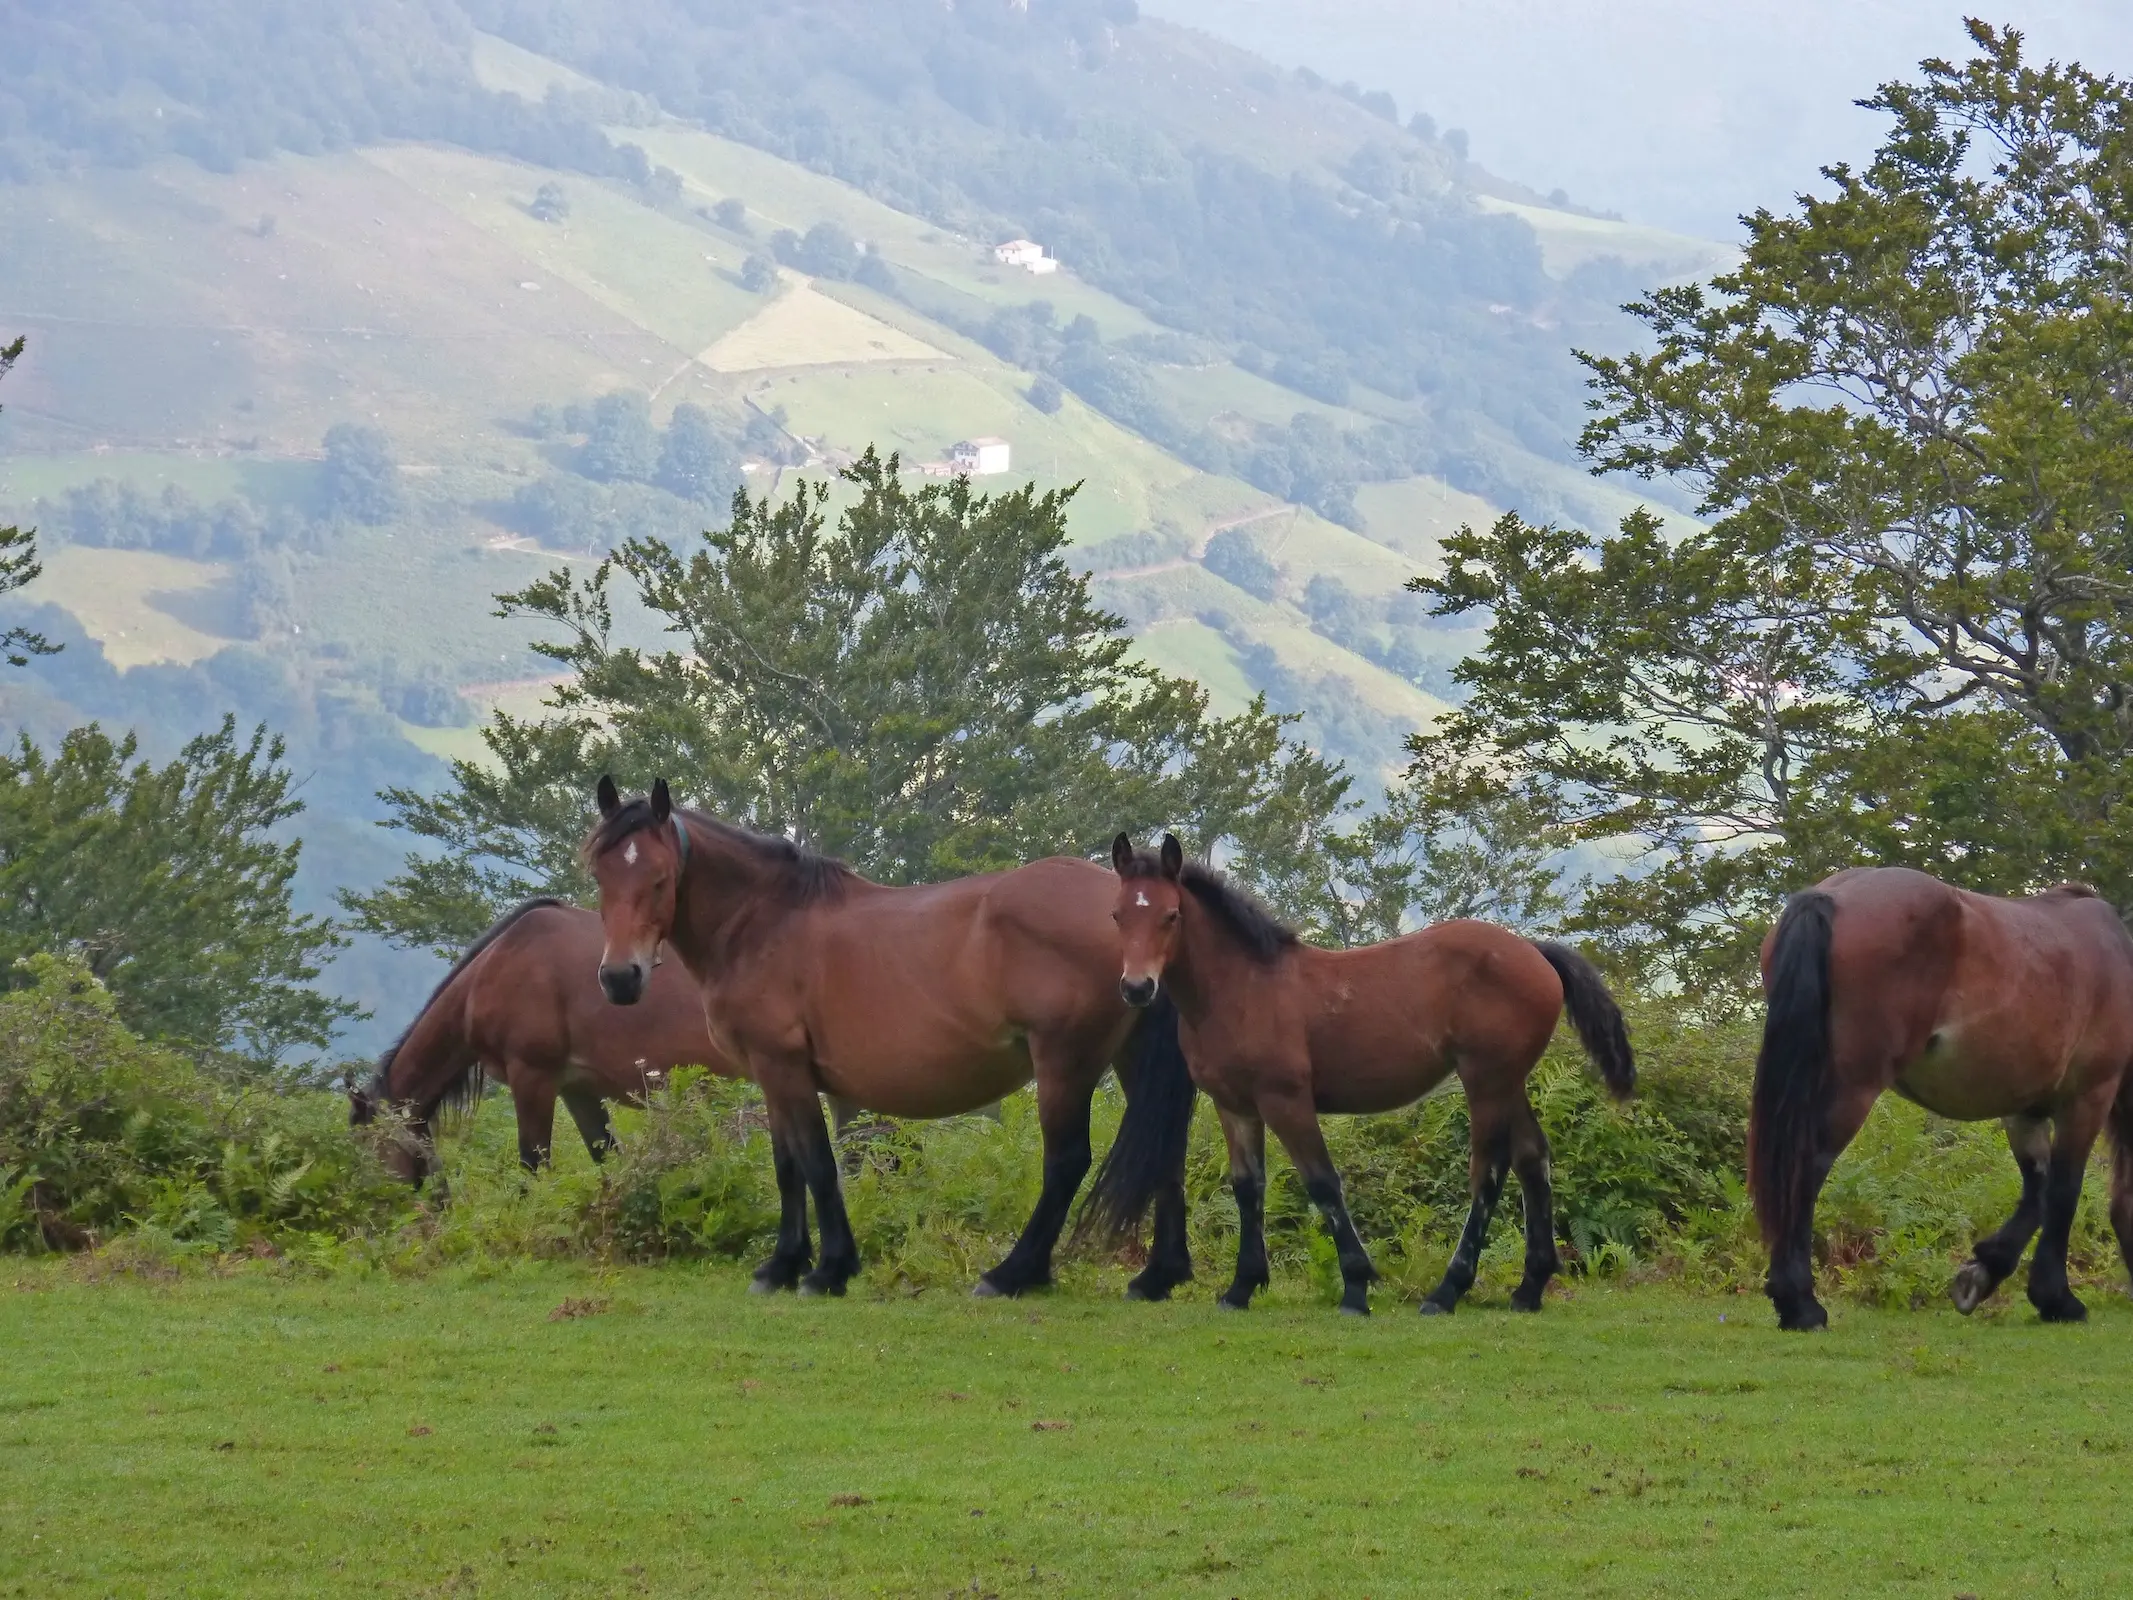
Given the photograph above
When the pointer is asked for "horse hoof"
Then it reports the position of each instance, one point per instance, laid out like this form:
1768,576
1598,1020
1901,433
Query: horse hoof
1355,1311
1810,1318
763,1285
814,1288
1526,1303
1150,1292
1972,1284
2067,1310
1433,1308
986,1289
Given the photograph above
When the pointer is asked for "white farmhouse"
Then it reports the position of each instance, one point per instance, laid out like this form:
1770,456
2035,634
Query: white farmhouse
1026,254
980,458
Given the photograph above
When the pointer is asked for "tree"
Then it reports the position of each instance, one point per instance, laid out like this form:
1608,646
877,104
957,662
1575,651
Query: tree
924,688
550,203
1045,394
620,443
359,480
1235,557
1907,633
731,214
694,462
170,882
759,274
827,251
18,562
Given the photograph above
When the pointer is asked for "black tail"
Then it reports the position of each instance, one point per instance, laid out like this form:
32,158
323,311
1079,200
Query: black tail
1595,1015
1792,1070
1149,1151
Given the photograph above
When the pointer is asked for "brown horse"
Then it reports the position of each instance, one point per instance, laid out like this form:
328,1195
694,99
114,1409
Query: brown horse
523,1005
1969,1005
1278,1032
926,1001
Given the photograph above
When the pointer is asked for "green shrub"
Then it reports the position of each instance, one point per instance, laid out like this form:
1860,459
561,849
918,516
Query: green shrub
101,1133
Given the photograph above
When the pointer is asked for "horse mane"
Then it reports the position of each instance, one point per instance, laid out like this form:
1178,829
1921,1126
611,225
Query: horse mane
806,876
1263,935
466,1088
2074,891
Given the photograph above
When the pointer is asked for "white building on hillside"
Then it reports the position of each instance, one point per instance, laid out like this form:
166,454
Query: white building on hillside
1026,254
980,458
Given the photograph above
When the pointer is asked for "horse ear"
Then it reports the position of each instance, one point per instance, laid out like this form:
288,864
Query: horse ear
1122,854
610,801
1173,856
662,802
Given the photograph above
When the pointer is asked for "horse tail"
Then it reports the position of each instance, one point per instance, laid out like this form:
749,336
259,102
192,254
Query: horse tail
1792,1069
1149,1151
2122,1169
465,1085
1595,1015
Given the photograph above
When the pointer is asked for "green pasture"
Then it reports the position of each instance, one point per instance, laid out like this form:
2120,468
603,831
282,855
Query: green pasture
1569,240
552,1431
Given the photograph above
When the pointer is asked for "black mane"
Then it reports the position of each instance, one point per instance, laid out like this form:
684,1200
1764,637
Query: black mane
809,877
1263,935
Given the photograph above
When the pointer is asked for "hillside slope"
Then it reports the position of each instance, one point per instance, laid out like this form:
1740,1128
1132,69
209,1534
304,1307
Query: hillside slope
194,334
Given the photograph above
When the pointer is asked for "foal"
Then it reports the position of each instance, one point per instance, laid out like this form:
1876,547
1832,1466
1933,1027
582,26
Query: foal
1277,1032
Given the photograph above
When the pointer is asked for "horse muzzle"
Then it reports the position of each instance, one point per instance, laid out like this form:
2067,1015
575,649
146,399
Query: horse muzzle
623,983
1136,991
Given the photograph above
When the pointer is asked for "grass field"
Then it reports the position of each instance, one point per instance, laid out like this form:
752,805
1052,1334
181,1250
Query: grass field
269,1434
139,605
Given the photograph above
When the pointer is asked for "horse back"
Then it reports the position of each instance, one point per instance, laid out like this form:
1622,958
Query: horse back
1976,1005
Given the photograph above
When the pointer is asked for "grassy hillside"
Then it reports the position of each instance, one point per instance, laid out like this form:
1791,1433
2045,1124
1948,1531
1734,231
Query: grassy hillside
196,331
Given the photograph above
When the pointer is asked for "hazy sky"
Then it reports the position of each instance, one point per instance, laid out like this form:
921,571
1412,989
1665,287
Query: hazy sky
1678,112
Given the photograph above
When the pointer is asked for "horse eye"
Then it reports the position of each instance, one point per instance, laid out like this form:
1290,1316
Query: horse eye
1169,917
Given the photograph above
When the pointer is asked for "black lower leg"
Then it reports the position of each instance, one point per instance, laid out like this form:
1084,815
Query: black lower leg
2048,1290
1791,1284
1997,1254
1169,1257
1542,1261
1324,1188
1466,1259
1066,1163
589,1112
792,1255
1250,1188
818,1165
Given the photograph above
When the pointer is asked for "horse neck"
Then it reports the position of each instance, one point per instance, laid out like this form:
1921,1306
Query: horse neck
433,1054
1202,965
724,886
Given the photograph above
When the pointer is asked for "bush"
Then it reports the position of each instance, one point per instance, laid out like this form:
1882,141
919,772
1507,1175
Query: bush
101,1134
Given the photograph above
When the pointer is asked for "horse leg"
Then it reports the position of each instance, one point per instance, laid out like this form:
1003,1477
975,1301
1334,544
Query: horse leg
2076,1127
533,1099
808,1136
1247,1177
2122,1171
792,1255
1169,1257
1791,1284
1295,1123
1529,1159
1063,1097
589,1112
1998,1254
1488,1152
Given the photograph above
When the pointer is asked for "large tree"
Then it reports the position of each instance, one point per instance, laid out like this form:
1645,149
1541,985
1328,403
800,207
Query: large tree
1907,631
173,883
922,687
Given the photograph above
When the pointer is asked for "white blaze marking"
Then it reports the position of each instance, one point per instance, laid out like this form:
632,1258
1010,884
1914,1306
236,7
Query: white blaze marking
630,855
1140,899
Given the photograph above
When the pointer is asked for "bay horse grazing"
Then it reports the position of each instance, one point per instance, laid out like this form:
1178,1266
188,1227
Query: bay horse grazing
1278,1032
1969,1005
922,1001
523,1005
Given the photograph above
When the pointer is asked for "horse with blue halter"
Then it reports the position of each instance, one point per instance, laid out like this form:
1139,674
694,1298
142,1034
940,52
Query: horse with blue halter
923,1001
1969,1005
1279,1033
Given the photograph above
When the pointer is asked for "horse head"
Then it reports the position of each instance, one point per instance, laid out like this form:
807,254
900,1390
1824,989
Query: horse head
1147,914
636,855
